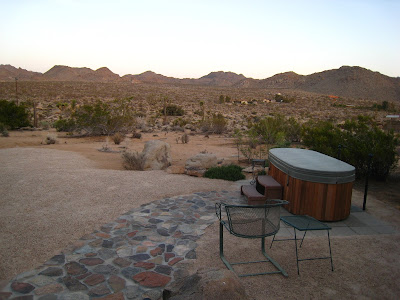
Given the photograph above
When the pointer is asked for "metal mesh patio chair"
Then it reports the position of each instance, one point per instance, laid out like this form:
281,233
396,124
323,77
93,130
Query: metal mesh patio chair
250,221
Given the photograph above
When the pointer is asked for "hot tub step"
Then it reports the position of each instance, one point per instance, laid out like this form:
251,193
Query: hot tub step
269,187
253,197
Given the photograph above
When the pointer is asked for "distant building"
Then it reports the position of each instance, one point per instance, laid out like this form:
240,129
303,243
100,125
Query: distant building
392,123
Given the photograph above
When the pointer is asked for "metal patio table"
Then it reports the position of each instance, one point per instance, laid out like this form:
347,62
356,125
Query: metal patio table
305,223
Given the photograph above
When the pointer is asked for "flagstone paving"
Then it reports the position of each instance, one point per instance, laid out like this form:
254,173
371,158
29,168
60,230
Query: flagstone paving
139,254
134,257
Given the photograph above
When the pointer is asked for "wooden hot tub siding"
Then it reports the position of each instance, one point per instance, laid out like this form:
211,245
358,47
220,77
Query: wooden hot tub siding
325,202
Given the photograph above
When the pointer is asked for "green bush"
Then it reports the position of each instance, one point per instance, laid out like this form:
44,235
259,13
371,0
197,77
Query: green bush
173,110
231,173
12,115
64,125
100,118
358,138
3,130
218,123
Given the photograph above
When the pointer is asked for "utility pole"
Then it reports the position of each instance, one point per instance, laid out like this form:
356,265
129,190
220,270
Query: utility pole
16,90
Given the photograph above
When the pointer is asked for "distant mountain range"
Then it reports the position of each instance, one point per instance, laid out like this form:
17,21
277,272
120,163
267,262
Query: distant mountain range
353,82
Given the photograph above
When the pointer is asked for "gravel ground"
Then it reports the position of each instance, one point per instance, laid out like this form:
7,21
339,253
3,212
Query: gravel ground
49,198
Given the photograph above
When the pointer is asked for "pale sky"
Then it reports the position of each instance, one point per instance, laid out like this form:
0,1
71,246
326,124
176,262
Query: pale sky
189,39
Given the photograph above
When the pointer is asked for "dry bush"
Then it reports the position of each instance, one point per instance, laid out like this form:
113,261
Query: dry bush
185,138
3,130
136,135
133,160
50,139
117,138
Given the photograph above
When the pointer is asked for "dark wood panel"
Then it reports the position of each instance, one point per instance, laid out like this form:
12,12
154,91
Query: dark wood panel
325,202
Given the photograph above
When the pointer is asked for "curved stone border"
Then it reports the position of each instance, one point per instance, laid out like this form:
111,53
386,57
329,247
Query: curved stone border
134,257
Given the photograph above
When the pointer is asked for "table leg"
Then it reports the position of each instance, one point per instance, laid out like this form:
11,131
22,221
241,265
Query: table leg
297,256
330,251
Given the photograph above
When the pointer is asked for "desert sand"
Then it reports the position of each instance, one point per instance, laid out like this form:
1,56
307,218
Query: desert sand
52,195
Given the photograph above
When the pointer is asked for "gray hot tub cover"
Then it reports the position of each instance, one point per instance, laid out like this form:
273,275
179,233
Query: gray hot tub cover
311,166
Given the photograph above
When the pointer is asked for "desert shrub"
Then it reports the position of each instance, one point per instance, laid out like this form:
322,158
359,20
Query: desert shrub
185,138
133,160
180,122
280,98
12,115
93,118
266,133
218,123
322,136
205,125
292,130
65,125
117,138
246,143
262,172
359,138
3,130
103,118
383,106
136,135
173,110
45,125
269,129
230,172
50,139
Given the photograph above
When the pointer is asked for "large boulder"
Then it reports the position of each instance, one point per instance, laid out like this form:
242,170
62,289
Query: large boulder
156,155
208,284
198,164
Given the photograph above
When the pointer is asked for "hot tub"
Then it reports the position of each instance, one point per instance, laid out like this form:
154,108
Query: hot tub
314,184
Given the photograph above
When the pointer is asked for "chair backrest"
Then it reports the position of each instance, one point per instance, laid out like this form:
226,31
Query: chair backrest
250,221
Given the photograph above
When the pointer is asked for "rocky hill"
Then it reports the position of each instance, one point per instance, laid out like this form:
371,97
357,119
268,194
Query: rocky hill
9,73
65,73
352,82
220,79
150,77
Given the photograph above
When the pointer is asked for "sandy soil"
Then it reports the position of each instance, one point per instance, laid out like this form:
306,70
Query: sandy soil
50,198
219,145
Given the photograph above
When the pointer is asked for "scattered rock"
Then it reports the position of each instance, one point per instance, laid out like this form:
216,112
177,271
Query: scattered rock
198,164
156,155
